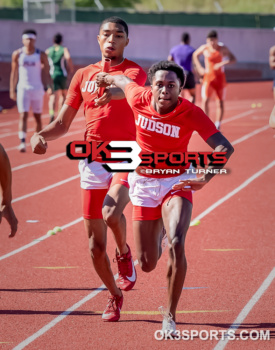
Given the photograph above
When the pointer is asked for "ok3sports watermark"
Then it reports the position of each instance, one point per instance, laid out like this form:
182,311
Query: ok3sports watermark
213,335
126,156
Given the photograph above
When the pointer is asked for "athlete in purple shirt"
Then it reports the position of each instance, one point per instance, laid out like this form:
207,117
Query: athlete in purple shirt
182,55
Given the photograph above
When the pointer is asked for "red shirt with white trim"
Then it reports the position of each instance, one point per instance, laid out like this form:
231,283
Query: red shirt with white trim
115,120
166,133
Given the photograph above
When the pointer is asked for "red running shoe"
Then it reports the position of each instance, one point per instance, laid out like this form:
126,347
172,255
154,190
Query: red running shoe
112,311
126,271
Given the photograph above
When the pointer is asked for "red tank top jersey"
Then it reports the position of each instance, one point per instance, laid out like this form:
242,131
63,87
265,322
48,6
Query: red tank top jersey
166,133
211,58
114,121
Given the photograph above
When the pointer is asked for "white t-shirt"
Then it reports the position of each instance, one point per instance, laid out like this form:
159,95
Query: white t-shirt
30,71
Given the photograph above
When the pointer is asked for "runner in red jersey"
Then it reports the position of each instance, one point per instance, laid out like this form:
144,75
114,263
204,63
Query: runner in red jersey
168,200
104,197
216,56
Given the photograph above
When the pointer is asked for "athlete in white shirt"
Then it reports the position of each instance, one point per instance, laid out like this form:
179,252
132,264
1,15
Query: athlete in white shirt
26,69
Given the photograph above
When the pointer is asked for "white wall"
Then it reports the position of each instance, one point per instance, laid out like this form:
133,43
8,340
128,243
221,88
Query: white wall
146,42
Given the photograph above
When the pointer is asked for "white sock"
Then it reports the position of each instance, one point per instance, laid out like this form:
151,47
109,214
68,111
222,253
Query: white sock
217,124
21,135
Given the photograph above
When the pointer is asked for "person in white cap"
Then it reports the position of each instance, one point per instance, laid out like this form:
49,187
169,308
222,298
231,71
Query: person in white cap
26,85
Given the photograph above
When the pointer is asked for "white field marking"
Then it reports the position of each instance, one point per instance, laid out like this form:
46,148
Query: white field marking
8,134
248,307
247,136
59,318
238,116
193,221
45,188
236,190
64,314
26,165
243,138
241,115
68,134
15,122
38,240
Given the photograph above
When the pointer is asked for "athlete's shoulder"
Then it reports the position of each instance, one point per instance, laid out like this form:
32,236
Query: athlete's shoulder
186,110
203,47
131,64
91,68
139,95
16,53
186,105
222,47
176,47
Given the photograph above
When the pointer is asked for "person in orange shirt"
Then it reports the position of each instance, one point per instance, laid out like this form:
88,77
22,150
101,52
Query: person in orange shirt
216,56
104,196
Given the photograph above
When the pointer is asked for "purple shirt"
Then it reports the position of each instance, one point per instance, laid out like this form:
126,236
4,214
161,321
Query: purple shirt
182,55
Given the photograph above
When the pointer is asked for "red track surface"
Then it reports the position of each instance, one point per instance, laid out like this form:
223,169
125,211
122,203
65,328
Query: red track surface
32,296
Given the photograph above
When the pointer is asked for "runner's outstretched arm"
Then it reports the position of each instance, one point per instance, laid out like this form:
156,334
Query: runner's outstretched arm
6,210
199,68
120,81
219,144
54,130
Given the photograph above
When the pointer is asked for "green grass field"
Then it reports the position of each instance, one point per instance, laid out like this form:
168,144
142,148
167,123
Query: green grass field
208,6
203,6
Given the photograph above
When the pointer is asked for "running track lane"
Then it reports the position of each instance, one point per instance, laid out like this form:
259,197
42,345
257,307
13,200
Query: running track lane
215,179
208,297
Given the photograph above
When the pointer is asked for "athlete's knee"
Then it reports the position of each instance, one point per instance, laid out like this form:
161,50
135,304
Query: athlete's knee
23,116
110,216
146,265
177,250
97,250
37,118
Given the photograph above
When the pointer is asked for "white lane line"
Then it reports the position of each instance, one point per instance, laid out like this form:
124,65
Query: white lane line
245,311
8,134
64,314
236,190
227,120
59,318
66,135
45,188
238,116
15,122
38,240
78,119
26,165
247,136
243,138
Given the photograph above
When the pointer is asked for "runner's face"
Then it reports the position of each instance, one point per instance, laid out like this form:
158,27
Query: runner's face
213,42
112,40
28,43
166,89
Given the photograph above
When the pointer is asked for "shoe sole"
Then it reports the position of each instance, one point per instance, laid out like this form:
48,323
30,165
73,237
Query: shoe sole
111,320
